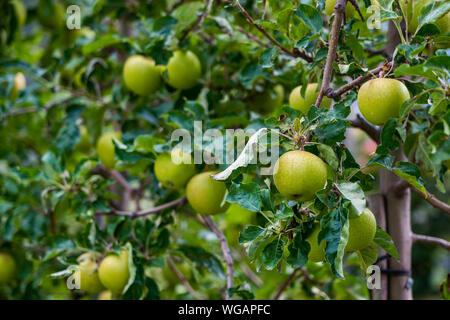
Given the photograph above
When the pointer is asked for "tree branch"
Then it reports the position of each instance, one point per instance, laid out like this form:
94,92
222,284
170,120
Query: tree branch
371,131
339,10
225,251
358,81
182,278
145,212
285,284
252,37
430,198
293,53
431,240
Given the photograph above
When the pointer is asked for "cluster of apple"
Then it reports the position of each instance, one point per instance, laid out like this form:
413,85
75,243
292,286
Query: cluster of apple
108,278
144,77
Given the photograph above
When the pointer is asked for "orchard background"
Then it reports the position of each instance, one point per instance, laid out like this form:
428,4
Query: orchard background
67,189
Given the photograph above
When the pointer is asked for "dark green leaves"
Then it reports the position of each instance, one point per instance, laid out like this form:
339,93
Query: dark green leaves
247,195
334,229
298,251
203,258
272,253
250,234
384,240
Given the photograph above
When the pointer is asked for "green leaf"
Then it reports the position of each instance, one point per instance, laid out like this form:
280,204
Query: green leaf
100,43
334,229
250,234
203,258
411,173
131,266
268,57
298,251
247,195
272,253
384,240
388,137
368,256
352,191
327,153
244,294
310,16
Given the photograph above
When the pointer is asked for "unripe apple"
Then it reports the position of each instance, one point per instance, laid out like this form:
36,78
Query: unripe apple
20,83
361,231
184,70
268,101
380,99
303,104
7,268
105,148
298,175
349,9
21,12
88,275
174,169
205,195
114,273
236,215
141,75
317,253
105,295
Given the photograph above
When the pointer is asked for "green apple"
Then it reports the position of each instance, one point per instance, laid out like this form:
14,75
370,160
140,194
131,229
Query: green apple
303,104
174,169
21,12
380,99
329,8
236,215
205,195
184,70
361,231
141,75
105,148
266,102
317,253
105,295
298,175
114,273
88,275
20,83
7,268
51,14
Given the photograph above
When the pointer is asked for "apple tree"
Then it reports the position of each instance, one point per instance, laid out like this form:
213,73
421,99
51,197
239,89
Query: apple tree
98,199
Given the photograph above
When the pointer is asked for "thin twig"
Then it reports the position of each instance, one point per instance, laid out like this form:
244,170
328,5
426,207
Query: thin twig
225,251
252,37
358,81
285,284
296,53
431,240
339,10
182,278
